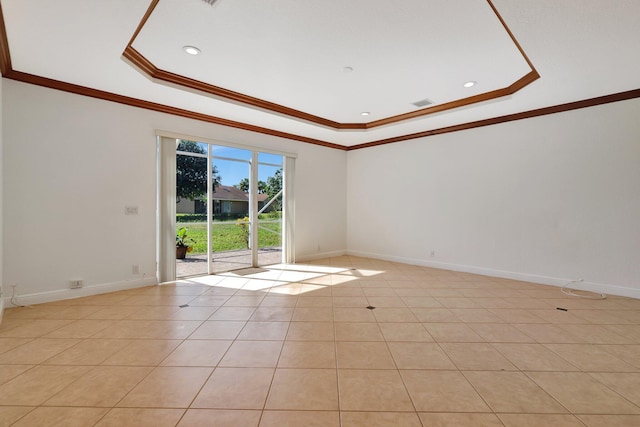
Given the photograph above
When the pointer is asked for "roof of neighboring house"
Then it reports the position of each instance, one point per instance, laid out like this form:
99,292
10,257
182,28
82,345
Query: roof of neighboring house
233,194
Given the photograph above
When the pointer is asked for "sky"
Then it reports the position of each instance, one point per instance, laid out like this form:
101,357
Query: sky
233,172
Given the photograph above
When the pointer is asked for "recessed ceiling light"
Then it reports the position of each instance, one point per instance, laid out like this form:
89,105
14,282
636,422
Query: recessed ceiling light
191,50
470,84
365,113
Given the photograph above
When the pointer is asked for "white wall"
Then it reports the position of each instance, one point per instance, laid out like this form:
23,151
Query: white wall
73,163
545,199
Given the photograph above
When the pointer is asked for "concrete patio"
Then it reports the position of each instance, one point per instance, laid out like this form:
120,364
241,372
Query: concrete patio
194,265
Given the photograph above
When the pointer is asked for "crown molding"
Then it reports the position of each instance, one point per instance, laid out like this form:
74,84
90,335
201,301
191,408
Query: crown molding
147,67
560,108
9,73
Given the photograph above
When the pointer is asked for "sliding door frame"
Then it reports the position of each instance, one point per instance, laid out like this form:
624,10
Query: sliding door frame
167,143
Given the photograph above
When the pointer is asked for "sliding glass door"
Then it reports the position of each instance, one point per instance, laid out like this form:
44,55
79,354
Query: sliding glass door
229,208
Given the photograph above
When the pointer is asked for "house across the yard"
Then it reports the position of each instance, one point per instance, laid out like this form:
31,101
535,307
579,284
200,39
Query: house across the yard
226,200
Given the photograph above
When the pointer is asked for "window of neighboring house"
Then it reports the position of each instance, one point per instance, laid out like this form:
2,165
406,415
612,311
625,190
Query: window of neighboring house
200,207
226,206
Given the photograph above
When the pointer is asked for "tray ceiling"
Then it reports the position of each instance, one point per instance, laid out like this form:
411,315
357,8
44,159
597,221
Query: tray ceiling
336,59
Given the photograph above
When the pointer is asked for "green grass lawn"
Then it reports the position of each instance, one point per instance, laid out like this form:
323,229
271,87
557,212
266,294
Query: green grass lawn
228,236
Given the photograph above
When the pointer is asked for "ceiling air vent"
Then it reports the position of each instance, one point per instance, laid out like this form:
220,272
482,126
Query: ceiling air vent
423,103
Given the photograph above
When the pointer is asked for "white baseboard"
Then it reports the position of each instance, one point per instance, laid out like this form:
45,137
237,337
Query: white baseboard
63,294
525,277
319,255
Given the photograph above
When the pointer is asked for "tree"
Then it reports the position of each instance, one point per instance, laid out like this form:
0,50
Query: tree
244,186
274,185
191,172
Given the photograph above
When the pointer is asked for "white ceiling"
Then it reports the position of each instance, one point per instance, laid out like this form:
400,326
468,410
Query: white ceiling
293,53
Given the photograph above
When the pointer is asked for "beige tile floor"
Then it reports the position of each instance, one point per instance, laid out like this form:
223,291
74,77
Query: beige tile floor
297,346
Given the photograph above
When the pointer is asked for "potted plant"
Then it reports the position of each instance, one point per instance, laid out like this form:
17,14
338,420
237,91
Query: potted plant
183,243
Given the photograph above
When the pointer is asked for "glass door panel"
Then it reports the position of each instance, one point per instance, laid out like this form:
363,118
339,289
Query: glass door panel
191,218
270,206
230,226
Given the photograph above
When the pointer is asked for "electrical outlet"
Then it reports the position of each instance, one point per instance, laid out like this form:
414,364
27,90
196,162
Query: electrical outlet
75,284
131,210
135,269
432,254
